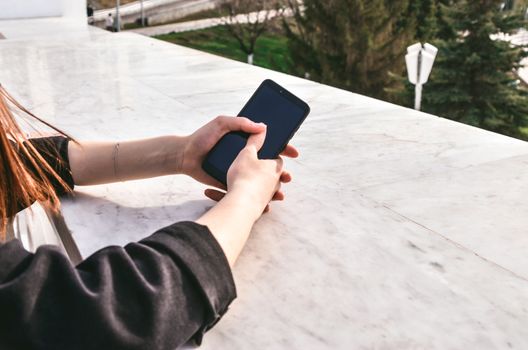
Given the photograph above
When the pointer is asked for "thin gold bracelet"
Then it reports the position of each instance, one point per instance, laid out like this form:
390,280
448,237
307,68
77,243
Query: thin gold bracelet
116,165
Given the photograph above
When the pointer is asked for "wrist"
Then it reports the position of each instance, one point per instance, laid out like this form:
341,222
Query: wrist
174,154
247,201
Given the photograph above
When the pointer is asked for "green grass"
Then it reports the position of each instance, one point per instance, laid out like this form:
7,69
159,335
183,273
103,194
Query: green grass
524,132
133,25
271,50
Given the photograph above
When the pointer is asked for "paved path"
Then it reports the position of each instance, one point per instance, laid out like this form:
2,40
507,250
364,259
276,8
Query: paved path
203,23
134,8
178,27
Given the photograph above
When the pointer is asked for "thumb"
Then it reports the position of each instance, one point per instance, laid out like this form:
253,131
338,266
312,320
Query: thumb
257,140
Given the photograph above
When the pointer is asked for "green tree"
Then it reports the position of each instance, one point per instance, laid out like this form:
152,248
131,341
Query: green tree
474,79
424,15
444,29
352,44
248,20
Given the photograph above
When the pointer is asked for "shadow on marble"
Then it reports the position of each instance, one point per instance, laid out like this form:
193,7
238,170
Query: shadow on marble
358,273
107,223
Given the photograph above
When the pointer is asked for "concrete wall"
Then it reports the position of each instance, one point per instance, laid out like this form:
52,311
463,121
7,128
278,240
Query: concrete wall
11,9
160,13
73,8
177,12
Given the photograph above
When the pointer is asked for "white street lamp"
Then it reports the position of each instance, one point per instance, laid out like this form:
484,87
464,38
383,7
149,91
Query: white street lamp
419,61
142,14
118,19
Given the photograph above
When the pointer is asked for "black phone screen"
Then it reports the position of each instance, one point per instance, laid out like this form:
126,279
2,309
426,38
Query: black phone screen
272,105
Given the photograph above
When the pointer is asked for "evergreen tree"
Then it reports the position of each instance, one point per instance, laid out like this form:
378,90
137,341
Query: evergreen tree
424,14
444,30
352,44
474,78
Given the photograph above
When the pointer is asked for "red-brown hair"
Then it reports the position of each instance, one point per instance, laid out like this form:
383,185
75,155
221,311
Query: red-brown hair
20,186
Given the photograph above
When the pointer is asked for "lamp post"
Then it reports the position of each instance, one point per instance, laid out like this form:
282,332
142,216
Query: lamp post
118,19
419,61
142,14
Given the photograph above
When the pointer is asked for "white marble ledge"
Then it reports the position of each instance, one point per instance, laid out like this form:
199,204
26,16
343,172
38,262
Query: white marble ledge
482,208
379,148
358,276
401,230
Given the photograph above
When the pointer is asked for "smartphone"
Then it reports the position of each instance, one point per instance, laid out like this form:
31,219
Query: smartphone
271,104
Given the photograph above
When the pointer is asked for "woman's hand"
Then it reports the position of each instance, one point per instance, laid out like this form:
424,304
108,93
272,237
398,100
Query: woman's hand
198,145
251,184
255,179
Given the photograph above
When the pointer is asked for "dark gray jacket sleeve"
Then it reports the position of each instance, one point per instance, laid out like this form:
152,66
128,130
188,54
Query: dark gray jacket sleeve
155,294
54,150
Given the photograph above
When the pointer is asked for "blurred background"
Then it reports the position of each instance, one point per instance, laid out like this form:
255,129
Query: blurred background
479,77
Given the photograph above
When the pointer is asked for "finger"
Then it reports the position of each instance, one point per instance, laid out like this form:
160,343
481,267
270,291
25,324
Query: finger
214,194
267,209
249,126
285,177
278,196
290,152
256,140
240,124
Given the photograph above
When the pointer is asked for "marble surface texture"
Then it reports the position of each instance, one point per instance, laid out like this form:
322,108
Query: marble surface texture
401,230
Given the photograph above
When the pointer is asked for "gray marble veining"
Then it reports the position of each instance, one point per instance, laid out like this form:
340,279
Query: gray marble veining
401,230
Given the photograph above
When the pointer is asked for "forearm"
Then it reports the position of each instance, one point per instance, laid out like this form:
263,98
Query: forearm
230,222
95,163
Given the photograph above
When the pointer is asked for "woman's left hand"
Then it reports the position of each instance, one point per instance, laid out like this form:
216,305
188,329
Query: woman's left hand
198,145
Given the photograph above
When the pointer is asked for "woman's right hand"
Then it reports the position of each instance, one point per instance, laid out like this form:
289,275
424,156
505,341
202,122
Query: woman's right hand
255,181
253,178
251,184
